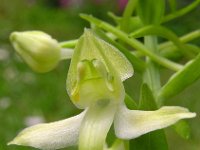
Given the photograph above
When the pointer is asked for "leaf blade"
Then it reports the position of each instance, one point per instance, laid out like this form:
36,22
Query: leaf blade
181,79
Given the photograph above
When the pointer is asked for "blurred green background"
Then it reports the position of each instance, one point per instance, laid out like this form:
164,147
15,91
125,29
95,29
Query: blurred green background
27,97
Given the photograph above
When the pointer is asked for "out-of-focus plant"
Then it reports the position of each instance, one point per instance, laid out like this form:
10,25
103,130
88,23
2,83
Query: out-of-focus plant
103,57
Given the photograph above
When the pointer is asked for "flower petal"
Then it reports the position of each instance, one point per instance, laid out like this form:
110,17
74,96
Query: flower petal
130,124
95,126
90,47
53,135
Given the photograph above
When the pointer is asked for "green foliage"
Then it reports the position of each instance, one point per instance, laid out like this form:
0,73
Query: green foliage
147,101
182,79
165,33
183,129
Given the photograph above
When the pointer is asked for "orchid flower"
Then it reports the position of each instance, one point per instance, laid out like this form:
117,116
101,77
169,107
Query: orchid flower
95,84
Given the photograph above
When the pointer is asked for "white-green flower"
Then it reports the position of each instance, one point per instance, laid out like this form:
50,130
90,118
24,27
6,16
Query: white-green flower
94,83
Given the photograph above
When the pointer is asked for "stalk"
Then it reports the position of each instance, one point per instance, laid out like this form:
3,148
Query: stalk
152,74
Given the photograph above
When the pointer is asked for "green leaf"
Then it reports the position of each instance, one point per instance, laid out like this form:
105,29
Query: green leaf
130,103
138,64
155,140
147,101
183,129
181,79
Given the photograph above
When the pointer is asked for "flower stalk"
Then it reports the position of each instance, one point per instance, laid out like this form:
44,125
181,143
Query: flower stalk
152,73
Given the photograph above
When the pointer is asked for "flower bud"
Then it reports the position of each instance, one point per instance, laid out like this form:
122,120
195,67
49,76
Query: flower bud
38,49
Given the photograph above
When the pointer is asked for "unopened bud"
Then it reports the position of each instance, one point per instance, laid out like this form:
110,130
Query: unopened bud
38,49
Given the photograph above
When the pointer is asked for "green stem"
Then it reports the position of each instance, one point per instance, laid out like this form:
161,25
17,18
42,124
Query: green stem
163,32
173,5
181,12
133,42
152,74
170,45
66,53
184,39
115,18
124,25
68,44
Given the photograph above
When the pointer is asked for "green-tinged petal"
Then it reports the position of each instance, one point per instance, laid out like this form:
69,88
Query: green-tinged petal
138,64
95,84
51,136
90,47
96,72
96,125
130,124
